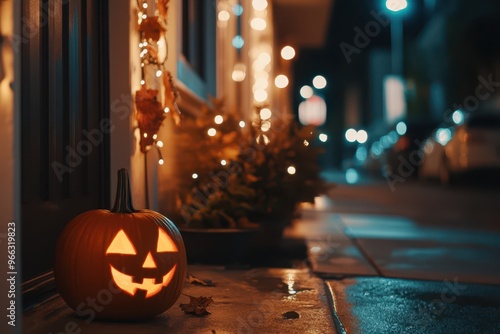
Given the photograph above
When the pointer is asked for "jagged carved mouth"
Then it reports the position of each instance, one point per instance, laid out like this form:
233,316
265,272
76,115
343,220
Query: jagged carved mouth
126,283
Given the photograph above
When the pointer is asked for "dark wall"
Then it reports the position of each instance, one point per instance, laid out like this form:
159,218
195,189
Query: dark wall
65,147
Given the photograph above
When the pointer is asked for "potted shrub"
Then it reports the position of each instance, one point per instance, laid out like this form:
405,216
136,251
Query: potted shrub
238,187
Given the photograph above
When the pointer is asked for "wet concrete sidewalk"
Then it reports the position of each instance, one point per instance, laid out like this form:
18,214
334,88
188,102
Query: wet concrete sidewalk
423,259
370,273
258,300
386,274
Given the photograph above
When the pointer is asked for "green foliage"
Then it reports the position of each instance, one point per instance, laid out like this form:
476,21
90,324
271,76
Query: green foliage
264,174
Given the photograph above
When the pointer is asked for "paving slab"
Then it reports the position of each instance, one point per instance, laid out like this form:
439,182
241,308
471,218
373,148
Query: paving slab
330,252
245,301
386,305
398,247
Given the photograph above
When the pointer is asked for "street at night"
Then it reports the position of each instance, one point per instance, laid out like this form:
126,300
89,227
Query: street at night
420,259
250,166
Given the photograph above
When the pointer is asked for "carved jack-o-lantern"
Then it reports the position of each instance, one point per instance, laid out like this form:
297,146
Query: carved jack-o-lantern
130,264
121,244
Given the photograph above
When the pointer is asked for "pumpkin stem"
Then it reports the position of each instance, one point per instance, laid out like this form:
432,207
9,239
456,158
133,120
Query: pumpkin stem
123,200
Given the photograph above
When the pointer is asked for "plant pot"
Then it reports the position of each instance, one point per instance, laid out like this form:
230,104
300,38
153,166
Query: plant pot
270,233
218,246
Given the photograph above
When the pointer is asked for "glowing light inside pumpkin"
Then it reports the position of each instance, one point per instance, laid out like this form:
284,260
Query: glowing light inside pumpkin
121,245
126,283
149,262
165,243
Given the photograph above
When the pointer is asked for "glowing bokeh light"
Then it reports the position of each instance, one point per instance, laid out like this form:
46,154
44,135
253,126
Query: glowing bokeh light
259,4
287,52
319,82
218,119
362,136
260,95
258,24
306,92
265,113
401,128
223,16
281,81
351,176
351,135
238,42
396,5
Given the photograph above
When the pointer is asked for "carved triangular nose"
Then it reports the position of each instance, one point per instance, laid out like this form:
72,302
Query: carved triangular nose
149,262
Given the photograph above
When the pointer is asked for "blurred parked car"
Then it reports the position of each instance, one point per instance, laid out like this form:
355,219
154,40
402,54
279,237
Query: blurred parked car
404,156
474,146
433,152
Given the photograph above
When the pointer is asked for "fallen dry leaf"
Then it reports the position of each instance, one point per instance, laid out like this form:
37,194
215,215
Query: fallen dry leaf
197,305
191,279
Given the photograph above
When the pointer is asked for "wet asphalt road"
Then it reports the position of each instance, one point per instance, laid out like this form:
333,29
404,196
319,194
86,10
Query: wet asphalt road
436,251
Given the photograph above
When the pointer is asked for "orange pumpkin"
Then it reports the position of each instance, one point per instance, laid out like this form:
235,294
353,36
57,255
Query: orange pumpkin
120,263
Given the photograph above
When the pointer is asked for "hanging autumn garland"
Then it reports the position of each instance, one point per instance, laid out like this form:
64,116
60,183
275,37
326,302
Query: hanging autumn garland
153,106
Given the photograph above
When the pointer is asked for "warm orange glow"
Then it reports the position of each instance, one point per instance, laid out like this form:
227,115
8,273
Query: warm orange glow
121,245
165,243
126,283
287,52
149,262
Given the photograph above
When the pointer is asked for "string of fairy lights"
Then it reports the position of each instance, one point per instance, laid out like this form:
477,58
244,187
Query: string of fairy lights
260,53
153,54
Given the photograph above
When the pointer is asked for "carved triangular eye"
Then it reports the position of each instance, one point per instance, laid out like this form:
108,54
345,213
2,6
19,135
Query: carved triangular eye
121,245
149,262
165,243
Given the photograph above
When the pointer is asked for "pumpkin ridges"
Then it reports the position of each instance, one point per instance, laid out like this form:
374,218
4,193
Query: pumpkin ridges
98,228
172,294
82,267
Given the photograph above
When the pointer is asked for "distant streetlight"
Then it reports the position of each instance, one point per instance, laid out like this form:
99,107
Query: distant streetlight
396,5
396,34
